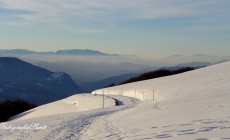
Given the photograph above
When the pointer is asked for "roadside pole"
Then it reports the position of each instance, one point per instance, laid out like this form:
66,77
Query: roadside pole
143,95
135,93
103,99
153,95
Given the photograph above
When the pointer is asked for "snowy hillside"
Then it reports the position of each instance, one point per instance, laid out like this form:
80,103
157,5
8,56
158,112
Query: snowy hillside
193,105
75,103
209,81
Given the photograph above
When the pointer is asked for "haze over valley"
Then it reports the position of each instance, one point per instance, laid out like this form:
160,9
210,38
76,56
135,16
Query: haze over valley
114,69
86,66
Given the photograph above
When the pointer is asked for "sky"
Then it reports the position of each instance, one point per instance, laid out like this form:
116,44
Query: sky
147,28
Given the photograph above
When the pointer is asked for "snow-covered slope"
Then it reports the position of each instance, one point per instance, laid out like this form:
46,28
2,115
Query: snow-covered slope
202,83
76,103
193,105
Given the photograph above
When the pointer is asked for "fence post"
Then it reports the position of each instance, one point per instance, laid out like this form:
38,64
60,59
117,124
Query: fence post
153,95
143,95
135,93
103,97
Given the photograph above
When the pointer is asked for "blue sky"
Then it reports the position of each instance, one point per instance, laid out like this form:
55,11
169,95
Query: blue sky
148,28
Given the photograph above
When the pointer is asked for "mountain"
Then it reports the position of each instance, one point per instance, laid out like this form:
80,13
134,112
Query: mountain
20,79
90,86
85,72
16,51
195,64
195,58
59,52
189,64
192,105
156,73
80,52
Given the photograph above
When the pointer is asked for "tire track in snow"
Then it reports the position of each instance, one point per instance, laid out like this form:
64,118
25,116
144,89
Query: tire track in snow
70,126
112,132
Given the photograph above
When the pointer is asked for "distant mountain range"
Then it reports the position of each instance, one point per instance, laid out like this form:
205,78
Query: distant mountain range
194,64
59,52
91,86
19,79
214,59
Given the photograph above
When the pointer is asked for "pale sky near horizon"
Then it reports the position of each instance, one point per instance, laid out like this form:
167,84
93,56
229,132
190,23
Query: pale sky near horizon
148,28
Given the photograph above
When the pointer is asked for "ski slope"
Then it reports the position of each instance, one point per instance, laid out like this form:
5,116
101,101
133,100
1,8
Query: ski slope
193,105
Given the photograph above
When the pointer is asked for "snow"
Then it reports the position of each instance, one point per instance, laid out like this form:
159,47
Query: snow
55,75
39,84
76,103
213,80
193,105
59,126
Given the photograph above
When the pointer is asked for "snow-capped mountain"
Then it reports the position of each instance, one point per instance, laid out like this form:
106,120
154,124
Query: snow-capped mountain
20,79
192,105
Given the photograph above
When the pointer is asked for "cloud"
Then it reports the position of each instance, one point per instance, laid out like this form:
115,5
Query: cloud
60,10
